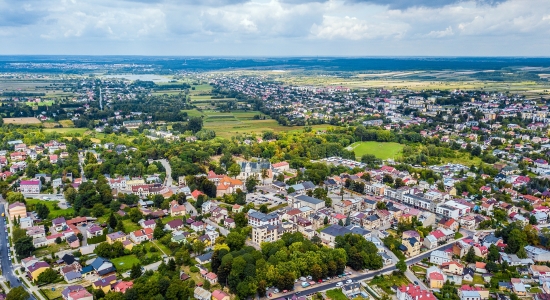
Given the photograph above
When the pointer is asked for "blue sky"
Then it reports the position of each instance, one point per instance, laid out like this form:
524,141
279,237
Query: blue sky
276,27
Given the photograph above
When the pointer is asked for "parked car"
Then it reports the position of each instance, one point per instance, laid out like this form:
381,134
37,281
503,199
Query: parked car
340,283
275,291
349,281
415,282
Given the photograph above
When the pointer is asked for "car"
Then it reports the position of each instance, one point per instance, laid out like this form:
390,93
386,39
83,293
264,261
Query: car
309,278
285,291
275,291
320,280
327,279
298,293
415,282
349,281
340,283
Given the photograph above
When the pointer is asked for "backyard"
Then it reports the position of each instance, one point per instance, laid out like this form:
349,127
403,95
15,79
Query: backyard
386,282
336,294
54,213
125,263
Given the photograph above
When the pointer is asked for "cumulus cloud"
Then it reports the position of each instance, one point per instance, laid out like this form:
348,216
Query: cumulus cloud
355,29
274,26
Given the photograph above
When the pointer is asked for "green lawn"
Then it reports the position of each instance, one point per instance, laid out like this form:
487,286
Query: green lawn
161,247
478,279
66,130
130,226
458,235
418,269
53,213
125,263
52,294
380,150
336,294
387,281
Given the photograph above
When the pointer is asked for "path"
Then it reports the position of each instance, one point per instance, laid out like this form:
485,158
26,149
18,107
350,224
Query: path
166,165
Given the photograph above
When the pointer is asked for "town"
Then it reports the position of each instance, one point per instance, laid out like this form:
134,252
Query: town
230,186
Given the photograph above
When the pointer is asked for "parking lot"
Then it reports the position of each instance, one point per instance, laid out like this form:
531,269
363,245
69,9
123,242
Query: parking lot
269,199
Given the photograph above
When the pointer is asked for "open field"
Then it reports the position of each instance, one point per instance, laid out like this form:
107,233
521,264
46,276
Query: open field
22,121
125,263
52,294
336,294
66,130
380,150
53,212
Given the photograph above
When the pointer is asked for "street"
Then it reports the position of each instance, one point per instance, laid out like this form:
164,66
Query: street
369,275
222,230
7,266
168,169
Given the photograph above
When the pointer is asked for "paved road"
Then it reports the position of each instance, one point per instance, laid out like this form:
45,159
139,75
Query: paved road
190,209
364,276
166,165
7,266
222,230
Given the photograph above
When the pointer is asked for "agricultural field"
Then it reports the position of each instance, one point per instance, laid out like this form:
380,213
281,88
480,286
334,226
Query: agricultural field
66,130
22,121
380,150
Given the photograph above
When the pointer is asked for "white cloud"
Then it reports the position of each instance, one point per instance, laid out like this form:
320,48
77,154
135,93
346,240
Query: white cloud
441,33
267,27
353,28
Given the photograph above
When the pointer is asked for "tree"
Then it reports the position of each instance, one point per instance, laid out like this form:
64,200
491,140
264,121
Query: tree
240,220
263,208
250,183
24,247
325,221
381,205
112,221
328,202
135,272
15,197
494,254
470,256
58,240
521,253
42,211
198,247
32,170
206,285
491,266
235,240
17,293
135,215
195,124
47,276
158,233
516,240
533,220
234,170
401,266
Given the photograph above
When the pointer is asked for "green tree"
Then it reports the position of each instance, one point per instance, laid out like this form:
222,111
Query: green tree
42,211
516,240
194,124
263,208
32,170
112,221
234,170
158,233
533,220
135,272
48,276
521,253
250,183
235,240
401,266
24,247
470,256
135,215
494,254
15,197
17,293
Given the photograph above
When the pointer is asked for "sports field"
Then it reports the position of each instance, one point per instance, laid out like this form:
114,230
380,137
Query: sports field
380,150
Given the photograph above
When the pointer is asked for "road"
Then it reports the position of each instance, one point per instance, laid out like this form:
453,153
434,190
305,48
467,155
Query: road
191,209
166,165
222,230
364,276
7,266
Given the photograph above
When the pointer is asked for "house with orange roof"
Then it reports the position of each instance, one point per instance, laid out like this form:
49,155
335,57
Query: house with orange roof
195,194
141,235
436,279
228,185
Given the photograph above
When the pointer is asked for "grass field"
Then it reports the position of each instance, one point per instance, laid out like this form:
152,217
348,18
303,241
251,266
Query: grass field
22,121
50,204
386,282
125,263
336,294
66,130
380,150
52,294
130,226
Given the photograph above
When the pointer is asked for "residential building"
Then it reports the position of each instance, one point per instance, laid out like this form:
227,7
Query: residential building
17,210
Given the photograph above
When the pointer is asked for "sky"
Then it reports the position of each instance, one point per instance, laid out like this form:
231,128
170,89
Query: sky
276,27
